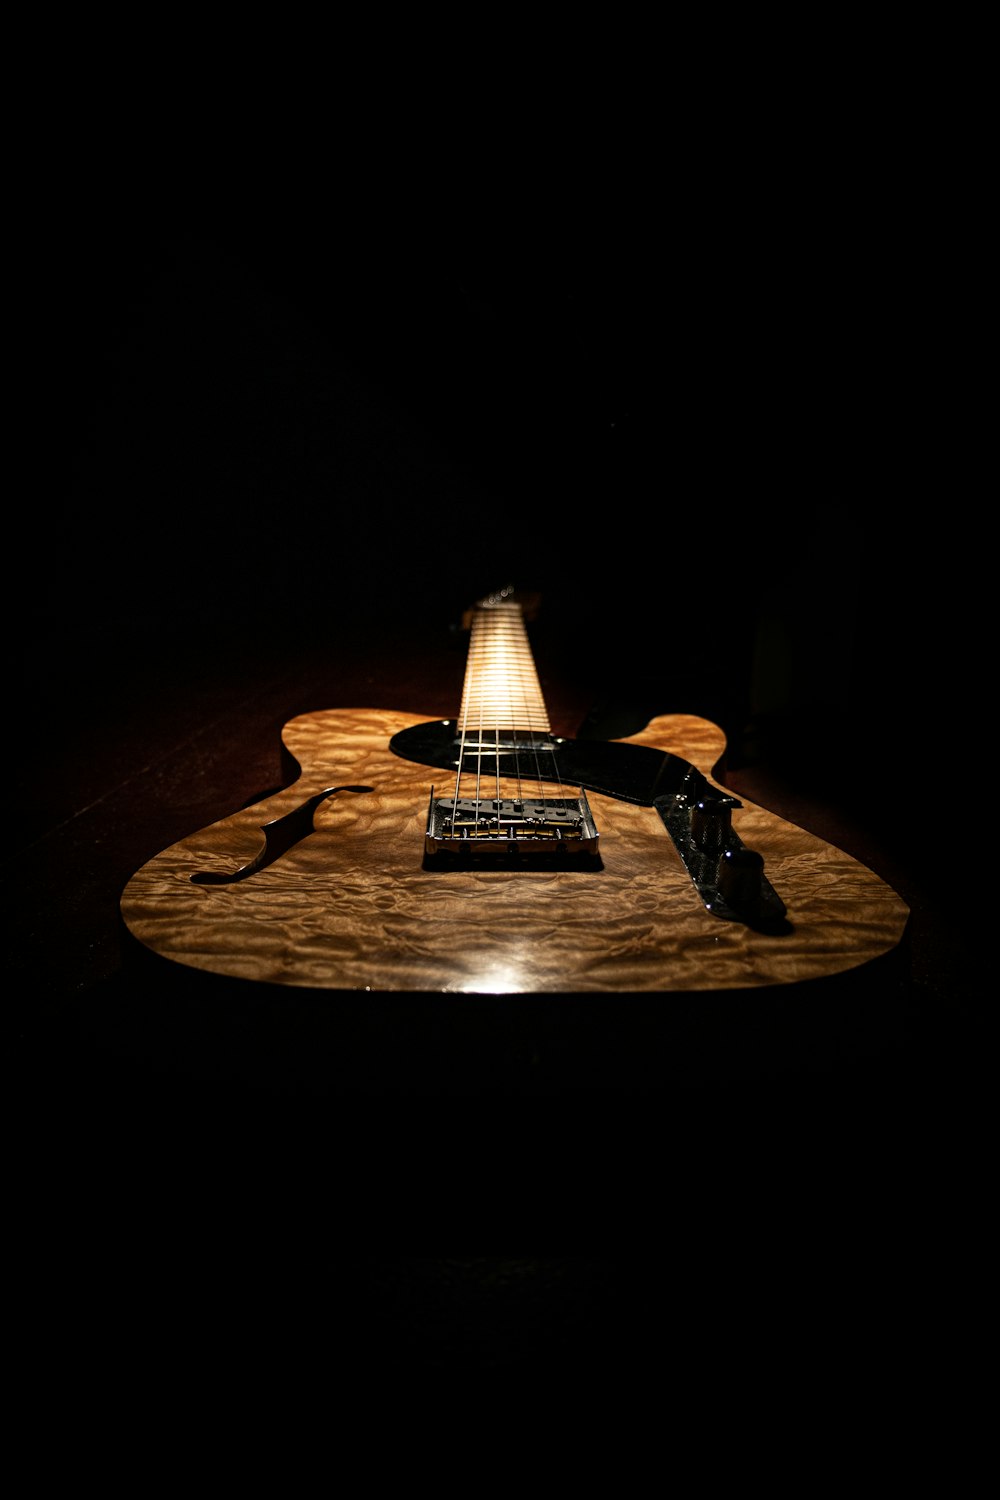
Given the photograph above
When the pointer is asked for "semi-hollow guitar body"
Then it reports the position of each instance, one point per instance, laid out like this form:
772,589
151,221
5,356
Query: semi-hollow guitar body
482,855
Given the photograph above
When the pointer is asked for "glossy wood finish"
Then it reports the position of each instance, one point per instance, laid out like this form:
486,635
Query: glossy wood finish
351,907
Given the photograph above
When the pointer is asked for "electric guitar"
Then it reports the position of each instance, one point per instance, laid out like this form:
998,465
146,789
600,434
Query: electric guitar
484,854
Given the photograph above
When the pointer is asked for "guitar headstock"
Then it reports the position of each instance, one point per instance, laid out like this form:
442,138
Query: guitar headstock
529,603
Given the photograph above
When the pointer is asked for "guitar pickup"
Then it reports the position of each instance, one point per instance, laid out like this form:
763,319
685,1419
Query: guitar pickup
510,825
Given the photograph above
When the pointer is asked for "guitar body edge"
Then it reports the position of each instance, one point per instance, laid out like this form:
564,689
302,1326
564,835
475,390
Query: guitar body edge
353,905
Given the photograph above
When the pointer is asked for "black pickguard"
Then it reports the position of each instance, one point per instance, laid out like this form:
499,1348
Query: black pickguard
630,773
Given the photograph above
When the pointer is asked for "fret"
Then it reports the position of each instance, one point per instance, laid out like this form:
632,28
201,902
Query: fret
507,758
501,690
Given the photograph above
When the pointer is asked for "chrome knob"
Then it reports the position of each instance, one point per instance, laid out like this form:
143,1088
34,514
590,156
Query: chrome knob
740,876
711,825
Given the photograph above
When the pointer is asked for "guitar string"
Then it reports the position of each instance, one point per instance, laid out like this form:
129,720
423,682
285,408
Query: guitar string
504,625
534,741
506,648
541,745
474,697
474,671
506,638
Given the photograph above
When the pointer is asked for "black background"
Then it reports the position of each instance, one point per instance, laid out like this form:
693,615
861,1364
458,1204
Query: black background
699,404
694,383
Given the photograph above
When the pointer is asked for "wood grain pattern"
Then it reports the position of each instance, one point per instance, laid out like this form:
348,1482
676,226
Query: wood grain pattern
351,907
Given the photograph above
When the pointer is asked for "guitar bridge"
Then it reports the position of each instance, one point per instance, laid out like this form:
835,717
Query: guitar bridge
510,825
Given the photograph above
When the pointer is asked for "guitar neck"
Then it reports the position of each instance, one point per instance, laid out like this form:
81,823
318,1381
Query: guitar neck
501,695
